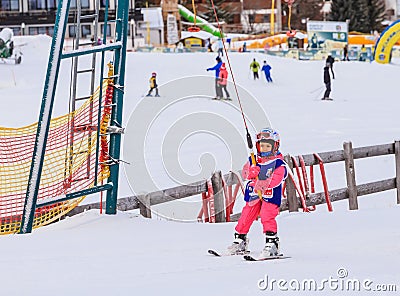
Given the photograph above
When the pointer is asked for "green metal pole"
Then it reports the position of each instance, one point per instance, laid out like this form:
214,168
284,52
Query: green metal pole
116,115
53,67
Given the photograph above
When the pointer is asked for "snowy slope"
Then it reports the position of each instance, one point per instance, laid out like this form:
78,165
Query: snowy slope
126,255
94,254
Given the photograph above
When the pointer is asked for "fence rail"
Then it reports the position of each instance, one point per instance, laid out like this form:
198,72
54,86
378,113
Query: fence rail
292,202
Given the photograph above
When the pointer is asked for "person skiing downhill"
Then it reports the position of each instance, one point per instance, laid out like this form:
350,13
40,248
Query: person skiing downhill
254,66
223,81
153,85
329,63
216,68
327,81
264,178
267,70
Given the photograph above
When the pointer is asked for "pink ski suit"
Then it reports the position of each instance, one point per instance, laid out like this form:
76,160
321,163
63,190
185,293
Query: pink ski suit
271,175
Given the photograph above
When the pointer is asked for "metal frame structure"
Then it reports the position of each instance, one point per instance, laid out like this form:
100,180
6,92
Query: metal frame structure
56,55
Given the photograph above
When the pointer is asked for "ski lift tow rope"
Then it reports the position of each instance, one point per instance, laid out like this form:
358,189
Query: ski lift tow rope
248,136
290,33
194,28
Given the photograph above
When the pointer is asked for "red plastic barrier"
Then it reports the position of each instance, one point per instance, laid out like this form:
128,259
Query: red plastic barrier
325,183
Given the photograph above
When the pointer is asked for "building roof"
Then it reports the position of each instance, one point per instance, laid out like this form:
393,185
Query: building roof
201,35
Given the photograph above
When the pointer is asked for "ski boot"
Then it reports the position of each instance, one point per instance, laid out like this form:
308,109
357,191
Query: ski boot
239,245
271,245
148,95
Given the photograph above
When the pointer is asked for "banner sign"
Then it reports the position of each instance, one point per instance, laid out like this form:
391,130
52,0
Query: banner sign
172,29
327,35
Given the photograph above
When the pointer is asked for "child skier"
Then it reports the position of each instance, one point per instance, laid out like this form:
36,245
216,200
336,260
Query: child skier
223,81
264,178
267,70
153,85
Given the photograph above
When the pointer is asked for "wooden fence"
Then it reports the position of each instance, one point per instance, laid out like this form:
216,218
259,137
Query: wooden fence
292,202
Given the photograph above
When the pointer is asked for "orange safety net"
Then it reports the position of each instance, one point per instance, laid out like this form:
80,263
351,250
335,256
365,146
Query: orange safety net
69,163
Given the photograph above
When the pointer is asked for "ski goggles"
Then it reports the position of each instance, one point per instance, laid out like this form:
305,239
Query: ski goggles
264,136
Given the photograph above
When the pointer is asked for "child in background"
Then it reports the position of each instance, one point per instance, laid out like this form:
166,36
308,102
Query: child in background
153,85
223,82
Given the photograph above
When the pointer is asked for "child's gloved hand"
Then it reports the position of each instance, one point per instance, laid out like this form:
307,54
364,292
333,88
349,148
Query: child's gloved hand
261,185
250,172
253,172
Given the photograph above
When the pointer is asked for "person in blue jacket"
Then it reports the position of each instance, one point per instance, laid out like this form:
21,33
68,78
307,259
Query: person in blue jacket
216,68
267,70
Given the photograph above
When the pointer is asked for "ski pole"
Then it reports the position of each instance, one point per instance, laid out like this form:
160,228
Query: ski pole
319,93
317,89
13,75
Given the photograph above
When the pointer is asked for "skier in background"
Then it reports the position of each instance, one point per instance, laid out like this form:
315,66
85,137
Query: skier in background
153,85
264,178
216,68
267,70
254,66
329,63
220,47
363,54
327,81
345,53
209,45
223,81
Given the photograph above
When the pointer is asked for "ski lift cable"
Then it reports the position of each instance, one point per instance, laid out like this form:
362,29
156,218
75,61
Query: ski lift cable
230,68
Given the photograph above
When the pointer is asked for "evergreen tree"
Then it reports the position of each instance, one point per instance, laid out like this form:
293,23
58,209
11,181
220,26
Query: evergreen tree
206,11
358,21
376,14
224,13
363,15
340,10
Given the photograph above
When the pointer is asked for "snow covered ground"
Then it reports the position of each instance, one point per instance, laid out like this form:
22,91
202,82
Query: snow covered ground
93,254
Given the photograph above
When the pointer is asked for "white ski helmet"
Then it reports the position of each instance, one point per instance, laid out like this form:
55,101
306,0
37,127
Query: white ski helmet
271,136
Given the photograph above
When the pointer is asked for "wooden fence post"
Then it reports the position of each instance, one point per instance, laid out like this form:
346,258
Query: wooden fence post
219,207
350,175
293,204
144,205
397,157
